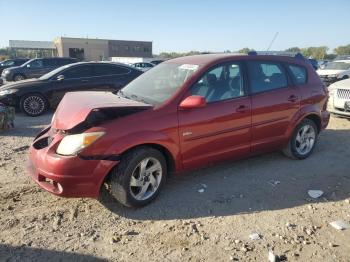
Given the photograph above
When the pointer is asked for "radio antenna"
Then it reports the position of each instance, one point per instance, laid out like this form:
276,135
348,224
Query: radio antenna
273,40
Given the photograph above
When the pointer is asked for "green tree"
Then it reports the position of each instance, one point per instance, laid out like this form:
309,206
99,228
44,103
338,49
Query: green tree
342,50
315,52
293,49
245,50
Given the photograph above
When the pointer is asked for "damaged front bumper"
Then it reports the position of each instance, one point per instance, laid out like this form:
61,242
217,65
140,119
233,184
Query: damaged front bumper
66,176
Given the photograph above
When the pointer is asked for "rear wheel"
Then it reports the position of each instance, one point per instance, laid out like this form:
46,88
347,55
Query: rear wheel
303,140
33,104
138,178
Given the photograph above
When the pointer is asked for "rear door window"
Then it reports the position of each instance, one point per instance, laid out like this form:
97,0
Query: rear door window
298,73
265,76
105,70
50,62
78,72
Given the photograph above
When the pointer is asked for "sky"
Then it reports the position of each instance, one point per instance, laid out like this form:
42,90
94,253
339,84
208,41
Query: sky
180,25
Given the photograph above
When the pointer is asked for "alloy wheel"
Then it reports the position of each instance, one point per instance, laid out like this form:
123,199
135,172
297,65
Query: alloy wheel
19,78
146,178
34,105
305,139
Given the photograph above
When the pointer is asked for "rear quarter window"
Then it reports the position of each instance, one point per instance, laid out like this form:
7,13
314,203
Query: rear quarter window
299,74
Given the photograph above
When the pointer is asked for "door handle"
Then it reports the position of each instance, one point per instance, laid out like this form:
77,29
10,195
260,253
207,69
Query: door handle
242,109
85,80
292,98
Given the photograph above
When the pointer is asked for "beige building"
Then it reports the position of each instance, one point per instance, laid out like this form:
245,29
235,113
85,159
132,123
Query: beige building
101,49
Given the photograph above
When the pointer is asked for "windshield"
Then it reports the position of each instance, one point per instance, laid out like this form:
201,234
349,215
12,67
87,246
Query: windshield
337,65
158,84
53,72
7,63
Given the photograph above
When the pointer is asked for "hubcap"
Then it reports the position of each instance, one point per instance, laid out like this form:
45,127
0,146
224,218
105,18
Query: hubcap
146,178
34,105
305,139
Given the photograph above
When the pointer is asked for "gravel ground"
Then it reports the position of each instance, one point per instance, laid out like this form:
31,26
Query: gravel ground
266,195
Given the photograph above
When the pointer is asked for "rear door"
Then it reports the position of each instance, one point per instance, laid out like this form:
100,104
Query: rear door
274,103
49,65
222,129
110,77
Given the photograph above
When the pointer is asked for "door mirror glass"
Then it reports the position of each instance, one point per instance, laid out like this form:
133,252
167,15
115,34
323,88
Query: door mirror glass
193,102
60,78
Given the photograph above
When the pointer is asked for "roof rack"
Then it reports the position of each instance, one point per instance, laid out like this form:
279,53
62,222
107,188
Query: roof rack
281,53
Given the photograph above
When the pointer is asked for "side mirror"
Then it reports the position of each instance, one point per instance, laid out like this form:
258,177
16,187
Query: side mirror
60,78
193,102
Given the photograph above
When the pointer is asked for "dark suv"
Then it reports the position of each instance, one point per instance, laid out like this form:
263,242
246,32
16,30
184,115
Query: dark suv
12,62
35,68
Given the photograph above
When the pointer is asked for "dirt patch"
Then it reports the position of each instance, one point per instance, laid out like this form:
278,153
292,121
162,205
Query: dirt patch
207,215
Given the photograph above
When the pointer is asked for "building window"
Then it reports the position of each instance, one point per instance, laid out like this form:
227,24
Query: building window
146,49
126,48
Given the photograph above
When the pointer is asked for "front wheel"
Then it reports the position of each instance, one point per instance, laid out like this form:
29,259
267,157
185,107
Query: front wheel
138,178
19,77
33,104
303,140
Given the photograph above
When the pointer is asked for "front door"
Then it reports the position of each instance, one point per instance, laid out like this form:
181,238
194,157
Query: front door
221,129
275,101
76,78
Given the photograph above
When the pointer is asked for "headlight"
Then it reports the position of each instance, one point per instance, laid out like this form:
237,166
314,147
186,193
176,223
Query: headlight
72,144
7,92
331,90
6,72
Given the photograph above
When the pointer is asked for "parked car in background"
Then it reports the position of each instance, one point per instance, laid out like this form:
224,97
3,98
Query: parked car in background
35,68
143,66
314,63
183,114
12,62
339,98
322,63
335,71
157,62
35,96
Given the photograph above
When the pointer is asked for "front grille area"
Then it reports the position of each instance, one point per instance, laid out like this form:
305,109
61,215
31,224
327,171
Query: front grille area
343,93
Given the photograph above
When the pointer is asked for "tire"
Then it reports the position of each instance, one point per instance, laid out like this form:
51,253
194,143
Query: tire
297,142
128,172
18,77
33,104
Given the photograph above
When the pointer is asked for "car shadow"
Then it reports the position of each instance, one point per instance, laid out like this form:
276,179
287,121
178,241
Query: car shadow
261,183
26,126
23,253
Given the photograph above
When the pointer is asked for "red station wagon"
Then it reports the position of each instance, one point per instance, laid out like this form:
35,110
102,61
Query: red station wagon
183,114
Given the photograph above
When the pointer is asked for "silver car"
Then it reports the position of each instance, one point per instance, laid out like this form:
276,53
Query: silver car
339,98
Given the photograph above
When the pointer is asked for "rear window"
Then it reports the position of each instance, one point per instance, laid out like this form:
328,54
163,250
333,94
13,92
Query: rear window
265,76
298,73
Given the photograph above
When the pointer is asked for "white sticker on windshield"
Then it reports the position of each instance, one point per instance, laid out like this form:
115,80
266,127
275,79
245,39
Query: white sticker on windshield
189,67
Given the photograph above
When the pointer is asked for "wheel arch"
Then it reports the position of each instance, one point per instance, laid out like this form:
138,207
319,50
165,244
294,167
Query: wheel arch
169,158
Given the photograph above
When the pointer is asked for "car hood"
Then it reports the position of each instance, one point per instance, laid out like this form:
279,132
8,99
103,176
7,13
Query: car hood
14,67
323,72
85,108
343,84
20,84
